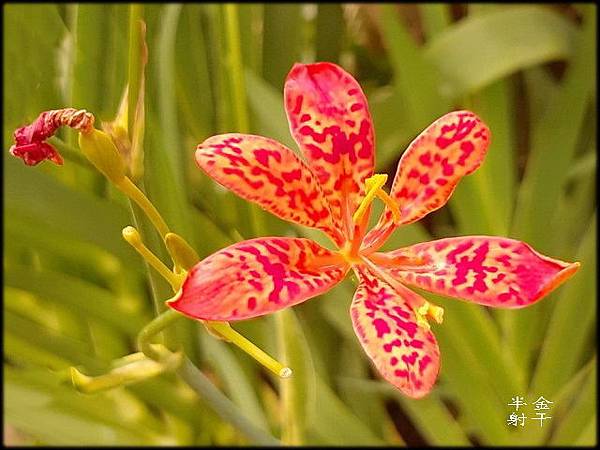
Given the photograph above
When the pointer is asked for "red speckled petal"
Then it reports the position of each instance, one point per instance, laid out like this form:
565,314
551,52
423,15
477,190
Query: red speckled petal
257,277
406,354
268,173
450,148
491,271
330,120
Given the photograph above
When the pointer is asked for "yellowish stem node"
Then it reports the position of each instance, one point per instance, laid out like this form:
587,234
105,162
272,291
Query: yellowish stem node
182,254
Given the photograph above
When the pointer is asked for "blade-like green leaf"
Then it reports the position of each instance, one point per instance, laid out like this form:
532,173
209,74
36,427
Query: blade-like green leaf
483,48
552,148
298,393
572,318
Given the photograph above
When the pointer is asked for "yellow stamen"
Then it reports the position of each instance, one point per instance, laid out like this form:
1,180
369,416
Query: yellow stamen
132,236
373,185
436,313
225,330
428,311
420,313
390,203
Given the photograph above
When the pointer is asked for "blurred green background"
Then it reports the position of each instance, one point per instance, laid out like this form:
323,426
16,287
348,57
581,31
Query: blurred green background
76,295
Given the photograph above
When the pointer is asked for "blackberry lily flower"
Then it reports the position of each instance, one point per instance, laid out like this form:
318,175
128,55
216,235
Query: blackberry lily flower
332,190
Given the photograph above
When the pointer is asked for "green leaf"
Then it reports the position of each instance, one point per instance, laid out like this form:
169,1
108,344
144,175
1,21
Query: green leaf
552,148
90,22
282,37
193,75
483,200
298,393
266,103
48,340
570,323
74,294
237,383
429,415
334,424
580,412
416,83
68,418
329,31
37,197
483,48
31,57
435,18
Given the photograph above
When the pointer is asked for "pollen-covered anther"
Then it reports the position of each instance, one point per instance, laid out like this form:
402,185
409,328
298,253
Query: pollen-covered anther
428,311
435,313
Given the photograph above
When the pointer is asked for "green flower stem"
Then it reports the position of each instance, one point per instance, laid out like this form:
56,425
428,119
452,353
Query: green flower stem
224,407
288,432
134,193
159,323
194,378
236,67
134,73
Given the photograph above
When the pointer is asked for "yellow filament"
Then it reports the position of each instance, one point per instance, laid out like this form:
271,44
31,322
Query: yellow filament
390,203
225,330
374,185
132,236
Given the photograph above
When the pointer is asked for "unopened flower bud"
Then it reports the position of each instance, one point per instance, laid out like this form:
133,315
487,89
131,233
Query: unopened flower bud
99,148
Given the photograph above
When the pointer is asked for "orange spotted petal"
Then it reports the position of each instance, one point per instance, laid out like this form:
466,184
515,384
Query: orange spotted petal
330,120
491,271
405,353
268,173
451,147
256,277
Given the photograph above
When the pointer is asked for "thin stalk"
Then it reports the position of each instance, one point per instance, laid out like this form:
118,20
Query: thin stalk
195,379
289,435
159,323
135,194
236,68
134,73
224,407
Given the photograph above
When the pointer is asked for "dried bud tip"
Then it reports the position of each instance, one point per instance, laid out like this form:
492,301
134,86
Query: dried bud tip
30,143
